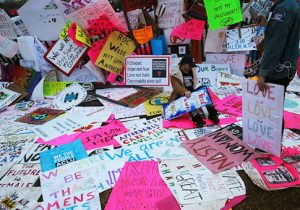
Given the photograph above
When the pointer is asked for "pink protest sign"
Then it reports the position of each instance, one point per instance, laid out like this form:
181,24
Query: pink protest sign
101,26
72,34
95,50
231,105
64,139
190,30
103,136
291,120
116,78
220,150
183,122
138,187
168,203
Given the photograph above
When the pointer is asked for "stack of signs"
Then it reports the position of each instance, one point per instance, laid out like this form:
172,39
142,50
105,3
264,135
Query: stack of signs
147,70
207,73
183,105
262,116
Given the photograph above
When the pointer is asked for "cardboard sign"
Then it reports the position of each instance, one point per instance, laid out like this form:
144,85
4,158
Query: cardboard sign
178,107
111,57
69,97
6,26
172,16
21,176
147,70
260,8
207,73
40,116
65,55
190,30
101,26
223,13
8,48
244,43
62,155
262,116
122,194
236,61
144,35
220,150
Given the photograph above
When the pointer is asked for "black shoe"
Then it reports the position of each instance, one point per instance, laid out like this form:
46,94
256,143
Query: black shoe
197,119
213,114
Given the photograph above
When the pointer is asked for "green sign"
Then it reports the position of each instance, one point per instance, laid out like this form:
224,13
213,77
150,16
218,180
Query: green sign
52,88
222,13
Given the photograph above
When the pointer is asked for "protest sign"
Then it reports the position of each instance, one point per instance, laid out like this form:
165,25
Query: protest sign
62,155
231,105
190,30
206,74
7,97
172,16
244,43
154,105
260,8
292,103
21,176
147,70
123,194
64,32
236,61
199,132
8,48
136,4
220,150
197,11
223,13
144,35
6,26
262,116
229,80
69,97
46,24
102,136
65,55
292,120
33,155
111,57
40,116
198,99
50,89
215,41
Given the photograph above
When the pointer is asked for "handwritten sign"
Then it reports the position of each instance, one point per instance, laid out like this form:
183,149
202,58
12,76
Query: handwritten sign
72,34
190,30
262,116
223,13
65,55
33,155
244,43
122,195
147,70
101,26
231,105
111,57
50,89
8,48
64,32
207,73
172,16
62,155
144,35
82,37
154,105
228,80
236,61
220,150
21,175
6,26
102,136
292,103
260,8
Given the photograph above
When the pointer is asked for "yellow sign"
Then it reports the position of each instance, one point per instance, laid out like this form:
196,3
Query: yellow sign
82,37
154,105
52,88
64,32
111,57
144,35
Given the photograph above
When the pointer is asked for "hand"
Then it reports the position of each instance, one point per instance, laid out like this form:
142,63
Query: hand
261,84
187,94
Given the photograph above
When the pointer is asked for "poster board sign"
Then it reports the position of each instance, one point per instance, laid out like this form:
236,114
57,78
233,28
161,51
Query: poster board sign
260,8
220,150
6,26
206,74
262,116
228,80
111,57
147,70
223,13
244,43
215,41
65,55
183,105
172,16
143,35
190,30
236,61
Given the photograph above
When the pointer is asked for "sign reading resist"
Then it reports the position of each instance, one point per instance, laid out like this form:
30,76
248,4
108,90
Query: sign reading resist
147,70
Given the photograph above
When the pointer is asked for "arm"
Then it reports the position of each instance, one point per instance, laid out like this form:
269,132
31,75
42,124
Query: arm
178,88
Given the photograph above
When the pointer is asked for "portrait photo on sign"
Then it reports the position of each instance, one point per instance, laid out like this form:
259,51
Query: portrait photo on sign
159,68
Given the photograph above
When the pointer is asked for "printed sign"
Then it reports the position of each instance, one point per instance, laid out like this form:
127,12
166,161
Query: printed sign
40,116
223,13
62,155
147,70
154,105
65,55
111,57
262,116
190,30
244,43
183,105
7,97
69,97
207,73
220,150
144,35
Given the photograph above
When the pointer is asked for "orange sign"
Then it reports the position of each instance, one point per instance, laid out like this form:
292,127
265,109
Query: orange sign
143,35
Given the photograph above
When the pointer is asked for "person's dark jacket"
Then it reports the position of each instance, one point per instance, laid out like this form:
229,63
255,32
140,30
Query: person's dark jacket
281,42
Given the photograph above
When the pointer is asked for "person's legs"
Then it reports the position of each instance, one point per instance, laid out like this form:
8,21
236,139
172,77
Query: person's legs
196,118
